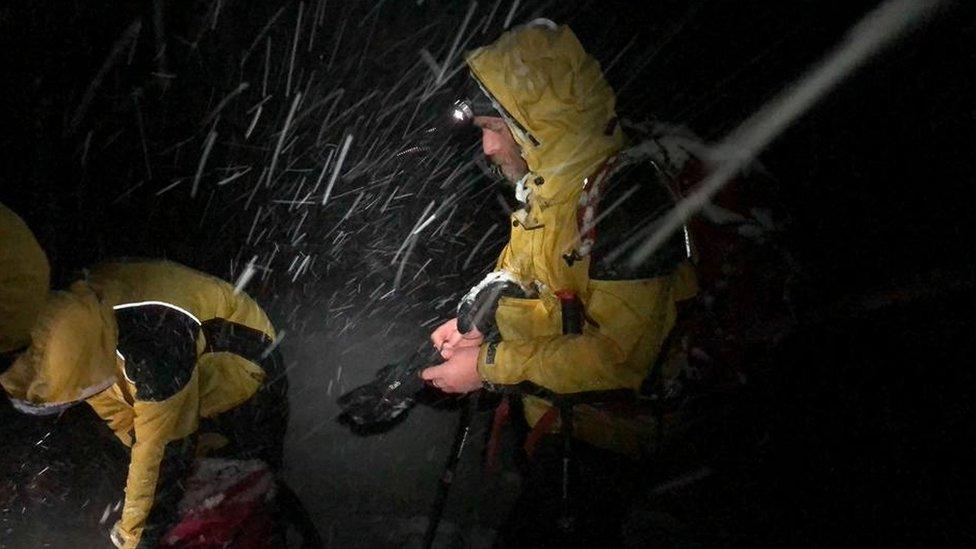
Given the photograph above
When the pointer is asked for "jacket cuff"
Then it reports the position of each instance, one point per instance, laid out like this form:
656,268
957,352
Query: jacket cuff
122,538
493,366
487,366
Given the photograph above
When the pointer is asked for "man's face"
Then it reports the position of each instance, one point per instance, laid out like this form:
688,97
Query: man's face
499,145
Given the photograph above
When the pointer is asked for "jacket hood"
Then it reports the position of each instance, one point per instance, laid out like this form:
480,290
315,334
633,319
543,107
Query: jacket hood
548,86
71,356
24,280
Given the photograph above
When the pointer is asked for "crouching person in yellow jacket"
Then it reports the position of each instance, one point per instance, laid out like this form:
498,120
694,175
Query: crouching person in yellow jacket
171,359
588,194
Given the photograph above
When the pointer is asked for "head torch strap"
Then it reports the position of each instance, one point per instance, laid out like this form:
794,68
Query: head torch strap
499,110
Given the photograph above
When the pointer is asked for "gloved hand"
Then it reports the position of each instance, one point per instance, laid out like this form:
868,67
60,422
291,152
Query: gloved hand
392,392
116,535
476,310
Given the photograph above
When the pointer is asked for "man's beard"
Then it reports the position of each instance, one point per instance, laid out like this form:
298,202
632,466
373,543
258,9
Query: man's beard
492,171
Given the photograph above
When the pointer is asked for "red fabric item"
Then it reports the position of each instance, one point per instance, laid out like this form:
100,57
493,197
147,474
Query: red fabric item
237,516
743,279
494,442
541,428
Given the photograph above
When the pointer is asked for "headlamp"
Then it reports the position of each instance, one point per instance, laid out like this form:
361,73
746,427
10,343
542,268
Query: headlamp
462,112
478,102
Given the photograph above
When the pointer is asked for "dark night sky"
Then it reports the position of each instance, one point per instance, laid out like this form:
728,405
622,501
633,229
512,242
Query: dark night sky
870,176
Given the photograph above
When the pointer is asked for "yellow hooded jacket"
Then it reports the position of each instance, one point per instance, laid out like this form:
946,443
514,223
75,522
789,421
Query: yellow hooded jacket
78,353
25,278
561,112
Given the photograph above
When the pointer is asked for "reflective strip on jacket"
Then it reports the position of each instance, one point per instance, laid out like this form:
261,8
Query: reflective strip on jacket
74,355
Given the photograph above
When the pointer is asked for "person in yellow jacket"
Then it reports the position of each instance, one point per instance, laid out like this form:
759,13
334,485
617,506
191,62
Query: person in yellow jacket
25,278
163,354
550,128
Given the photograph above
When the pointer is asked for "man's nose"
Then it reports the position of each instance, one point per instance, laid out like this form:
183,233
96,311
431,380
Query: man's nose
490,142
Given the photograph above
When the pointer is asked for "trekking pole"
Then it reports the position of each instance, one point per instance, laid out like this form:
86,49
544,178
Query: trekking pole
447,478
572,316
565,521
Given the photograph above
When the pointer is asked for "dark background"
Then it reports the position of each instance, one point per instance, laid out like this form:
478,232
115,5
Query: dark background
862,412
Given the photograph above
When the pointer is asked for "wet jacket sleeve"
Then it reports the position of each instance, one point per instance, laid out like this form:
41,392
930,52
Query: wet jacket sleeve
161,457
158,344
632,319
630,309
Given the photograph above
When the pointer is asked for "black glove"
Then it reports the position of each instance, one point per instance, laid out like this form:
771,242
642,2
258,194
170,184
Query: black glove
392,392
477,308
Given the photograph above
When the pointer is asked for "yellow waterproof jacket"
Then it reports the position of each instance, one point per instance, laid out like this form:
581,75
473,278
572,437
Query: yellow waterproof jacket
561,112
78,351
25,278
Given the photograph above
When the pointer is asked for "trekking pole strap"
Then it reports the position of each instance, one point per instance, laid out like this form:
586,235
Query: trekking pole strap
500,418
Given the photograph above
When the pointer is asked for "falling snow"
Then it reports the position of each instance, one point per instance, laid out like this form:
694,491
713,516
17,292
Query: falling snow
302,152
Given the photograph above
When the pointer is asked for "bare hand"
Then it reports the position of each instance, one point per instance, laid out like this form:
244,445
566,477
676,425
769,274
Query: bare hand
459,374
447,339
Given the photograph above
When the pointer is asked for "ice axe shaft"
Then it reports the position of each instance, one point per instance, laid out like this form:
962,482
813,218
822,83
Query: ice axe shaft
447,478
